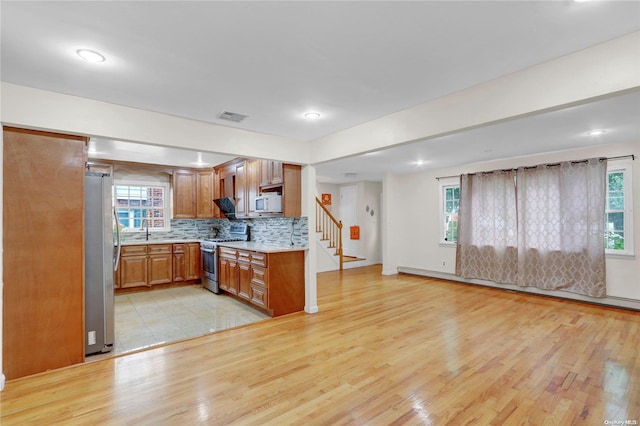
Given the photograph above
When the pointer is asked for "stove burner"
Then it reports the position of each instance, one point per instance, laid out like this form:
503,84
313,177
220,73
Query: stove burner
237,233
224,240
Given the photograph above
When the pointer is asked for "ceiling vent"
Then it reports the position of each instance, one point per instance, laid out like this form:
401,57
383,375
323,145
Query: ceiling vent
232,116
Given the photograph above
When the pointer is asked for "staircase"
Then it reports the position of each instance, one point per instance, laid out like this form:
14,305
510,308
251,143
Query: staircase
329,231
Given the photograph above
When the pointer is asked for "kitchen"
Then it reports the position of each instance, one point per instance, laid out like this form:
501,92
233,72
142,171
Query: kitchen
149,259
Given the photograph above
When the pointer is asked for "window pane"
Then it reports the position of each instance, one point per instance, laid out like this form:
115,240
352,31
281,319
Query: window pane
616,201
615,222
615,240
616,181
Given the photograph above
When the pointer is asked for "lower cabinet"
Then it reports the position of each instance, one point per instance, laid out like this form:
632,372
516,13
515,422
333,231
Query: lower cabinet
271,281
187,263
152,264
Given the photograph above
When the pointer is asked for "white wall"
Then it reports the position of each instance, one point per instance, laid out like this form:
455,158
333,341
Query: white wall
369,201
412,231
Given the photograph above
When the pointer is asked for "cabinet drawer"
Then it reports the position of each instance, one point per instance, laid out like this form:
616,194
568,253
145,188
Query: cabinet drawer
259,259
133,250
259,296
244,256
227,252
178,248
259,276
159,248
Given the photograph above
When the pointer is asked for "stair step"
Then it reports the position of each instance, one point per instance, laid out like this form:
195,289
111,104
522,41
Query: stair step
351,259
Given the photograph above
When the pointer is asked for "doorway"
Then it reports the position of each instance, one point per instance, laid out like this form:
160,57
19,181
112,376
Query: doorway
349,217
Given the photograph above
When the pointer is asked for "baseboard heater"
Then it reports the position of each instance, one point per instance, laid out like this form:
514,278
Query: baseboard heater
617,302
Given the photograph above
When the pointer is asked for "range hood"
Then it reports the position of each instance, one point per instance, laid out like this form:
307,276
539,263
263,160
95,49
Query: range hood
227,206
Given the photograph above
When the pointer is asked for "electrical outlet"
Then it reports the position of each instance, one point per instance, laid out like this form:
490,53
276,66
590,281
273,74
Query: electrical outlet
444,263
92,338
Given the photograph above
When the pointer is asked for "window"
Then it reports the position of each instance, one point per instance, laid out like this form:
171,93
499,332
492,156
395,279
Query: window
137,201
449,202
619,213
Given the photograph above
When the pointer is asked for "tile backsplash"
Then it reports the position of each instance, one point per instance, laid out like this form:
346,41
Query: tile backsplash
274,231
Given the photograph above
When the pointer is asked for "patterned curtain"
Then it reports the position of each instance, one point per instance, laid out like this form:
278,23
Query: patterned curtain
487,233
561,226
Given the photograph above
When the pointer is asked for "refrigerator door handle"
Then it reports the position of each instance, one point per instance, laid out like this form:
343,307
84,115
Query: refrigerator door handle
118,245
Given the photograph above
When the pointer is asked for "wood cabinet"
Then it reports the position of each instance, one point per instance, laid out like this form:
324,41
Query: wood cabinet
184,194
204,194
152,264
271,281
228,271
186,262
132,270
43,237
193,194
253,185
270,172
244,180
160,264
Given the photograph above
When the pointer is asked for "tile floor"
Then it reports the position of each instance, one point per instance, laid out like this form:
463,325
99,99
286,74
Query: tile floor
150,318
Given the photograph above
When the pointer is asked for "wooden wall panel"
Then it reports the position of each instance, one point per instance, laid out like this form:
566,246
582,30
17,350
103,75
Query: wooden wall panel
43,309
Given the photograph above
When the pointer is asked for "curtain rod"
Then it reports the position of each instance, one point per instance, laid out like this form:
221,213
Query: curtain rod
619,157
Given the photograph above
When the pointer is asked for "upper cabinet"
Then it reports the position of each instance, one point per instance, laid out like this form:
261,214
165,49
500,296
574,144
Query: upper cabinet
244,180
270,172
193,194
204,193
184,194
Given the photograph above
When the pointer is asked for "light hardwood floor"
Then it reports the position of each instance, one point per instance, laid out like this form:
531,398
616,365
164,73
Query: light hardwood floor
382,350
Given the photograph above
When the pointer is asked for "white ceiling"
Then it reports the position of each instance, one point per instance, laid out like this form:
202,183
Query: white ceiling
350,61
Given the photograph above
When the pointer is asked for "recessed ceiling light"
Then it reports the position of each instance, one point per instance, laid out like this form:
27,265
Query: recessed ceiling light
596,132
420,163
312,115
90,55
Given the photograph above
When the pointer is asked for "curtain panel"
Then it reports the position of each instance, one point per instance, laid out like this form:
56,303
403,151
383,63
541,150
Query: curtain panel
540,226
561,226
487,227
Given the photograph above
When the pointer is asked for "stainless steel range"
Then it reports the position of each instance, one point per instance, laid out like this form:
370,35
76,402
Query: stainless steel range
209,248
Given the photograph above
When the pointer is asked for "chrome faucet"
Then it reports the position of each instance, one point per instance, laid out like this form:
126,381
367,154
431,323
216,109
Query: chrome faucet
144,222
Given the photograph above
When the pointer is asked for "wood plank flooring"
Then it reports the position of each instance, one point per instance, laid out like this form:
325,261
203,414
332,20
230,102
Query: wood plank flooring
382,350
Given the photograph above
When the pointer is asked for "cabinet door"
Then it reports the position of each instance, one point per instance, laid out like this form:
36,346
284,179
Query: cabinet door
179,267
204,194
244,280
241,190
265,172
184,194
160,268
276,173
233,277
259,296
193,262
133,271
224,273
253,184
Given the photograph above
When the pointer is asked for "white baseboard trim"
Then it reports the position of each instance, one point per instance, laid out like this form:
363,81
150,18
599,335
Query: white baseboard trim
2,382
390,272
618,302
311,309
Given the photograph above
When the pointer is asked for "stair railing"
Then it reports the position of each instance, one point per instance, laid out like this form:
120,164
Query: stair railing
330,227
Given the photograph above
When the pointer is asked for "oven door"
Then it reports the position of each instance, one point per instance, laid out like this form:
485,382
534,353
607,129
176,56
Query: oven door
210,269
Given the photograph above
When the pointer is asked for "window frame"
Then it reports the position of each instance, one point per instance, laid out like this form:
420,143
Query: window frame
626,168
166,207
443,185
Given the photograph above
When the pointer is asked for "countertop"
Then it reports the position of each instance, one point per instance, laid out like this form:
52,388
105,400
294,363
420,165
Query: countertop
264,248
174,241
243,245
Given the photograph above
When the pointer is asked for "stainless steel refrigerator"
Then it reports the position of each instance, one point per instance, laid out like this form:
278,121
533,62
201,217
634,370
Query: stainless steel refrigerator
102,253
